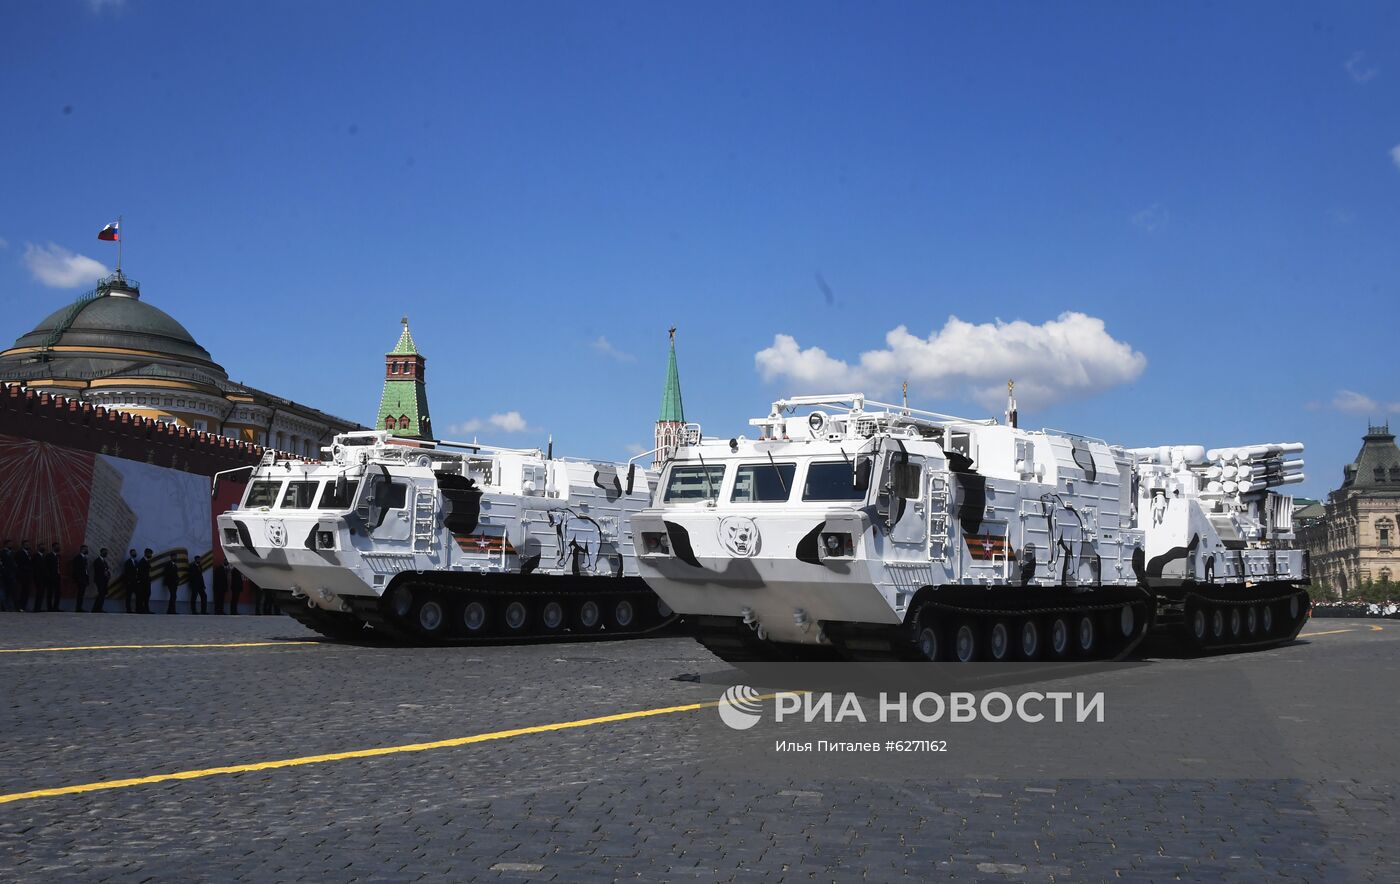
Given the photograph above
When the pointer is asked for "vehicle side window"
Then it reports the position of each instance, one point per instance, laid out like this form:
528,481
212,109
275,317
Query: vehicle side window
763,483
262,494
693,483
332,501
837,481
299,495
392,496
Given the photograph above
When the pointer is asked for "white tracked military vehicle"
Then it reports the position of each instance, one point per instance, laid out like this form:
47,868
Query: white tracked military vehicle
860,530
445,542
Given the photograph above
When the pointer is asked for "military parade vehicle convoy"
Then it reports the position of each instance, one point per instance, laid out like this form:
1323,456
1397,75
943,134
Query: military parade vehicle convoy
440,542
851,529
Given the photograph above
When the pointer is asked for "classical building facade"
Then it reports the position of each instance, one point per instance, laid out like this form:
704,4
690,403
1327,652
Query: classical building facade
111,349
403,406
1352,538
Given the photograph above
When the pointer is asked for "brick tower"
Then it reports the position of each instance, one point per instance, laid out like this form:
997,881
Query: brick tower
403,408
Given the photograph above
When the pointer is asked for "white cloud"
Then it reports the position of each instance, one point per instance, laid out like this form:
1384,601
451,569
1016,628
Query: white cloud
4,243
1071,356
1395,154
1358,69
507,422
604,346
56,267
1151,218
97,6
1352,402
634,449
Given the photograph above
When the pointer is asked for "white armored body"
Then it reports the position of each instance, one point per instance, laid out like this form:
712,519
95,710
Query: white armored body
441,542
850,528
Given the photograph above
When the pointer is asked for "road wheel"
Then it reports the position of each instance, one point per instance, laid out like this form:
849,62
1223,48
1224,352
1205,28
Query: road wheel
475,616
965,644
1198,625
1293,607
663,610
999,641
1059,638
552,616
1086,637
517,615
1251,620
1030,639
929,645
401,602
431,617
1268,619
623,614
589,615
1234,622
1127,621
1217,624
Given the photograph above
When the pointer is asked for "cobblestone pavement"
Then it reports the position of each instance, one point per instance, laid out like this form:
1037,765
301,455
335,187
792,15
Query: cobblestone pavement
649,798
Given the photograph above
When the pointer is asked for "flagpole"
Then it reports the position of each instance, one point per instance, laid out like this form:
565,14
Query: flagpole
119,245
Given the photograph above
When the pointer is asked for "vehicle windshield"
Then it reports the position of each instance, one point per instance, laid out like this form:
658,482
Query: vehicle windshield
299,495
693,483
763,483
262,493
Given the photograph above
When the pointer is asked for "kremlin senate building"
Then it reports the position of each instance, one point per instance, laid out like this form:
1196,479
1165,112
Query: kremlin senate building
111,348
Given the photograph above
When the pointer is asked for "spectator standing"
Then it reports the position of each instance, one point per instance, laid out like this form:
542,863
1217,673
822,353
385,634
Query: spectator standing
220,586
130,569
143,583
54,565
170,576
78,570
9,577
24,574
101,578
235,589
197,594
40,570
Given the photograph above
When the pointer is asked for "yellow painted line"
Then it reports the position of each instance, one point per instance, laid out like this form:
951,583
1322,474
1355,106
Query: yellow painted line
357,753
1330,632
150,647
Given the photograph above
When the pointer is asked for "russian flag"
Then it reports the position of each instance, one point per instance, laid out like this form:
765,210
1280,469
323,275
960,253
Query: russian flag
111,232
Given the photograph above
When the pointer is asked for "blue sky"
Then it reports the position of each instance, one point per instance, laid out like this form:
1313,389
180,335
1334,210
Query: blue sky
1212,192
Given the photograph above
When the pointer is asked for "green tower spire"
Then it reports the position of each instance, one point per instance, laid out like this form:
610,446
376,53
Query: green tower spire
671,409
403,407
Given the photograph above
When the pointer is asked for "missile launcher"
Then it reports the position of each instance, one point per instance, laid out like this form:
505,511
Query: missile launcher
853,529
441,542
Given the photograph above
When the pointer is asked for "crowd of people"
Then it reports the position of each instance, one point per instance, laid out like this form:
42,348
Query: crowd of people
35,580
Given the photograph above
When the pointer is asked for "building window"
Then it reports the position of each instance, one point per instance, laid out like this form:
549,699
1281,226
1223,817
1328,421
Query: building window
390,423
1383,533
393,368
403,422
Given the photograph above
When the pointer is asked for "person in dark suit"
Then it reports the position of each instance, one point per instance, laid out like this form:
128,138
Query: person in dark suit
54,565
101,578
130,568
170,576
195,577
9,577
143,582
40,569
24,574
220,586
78,570
235,589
